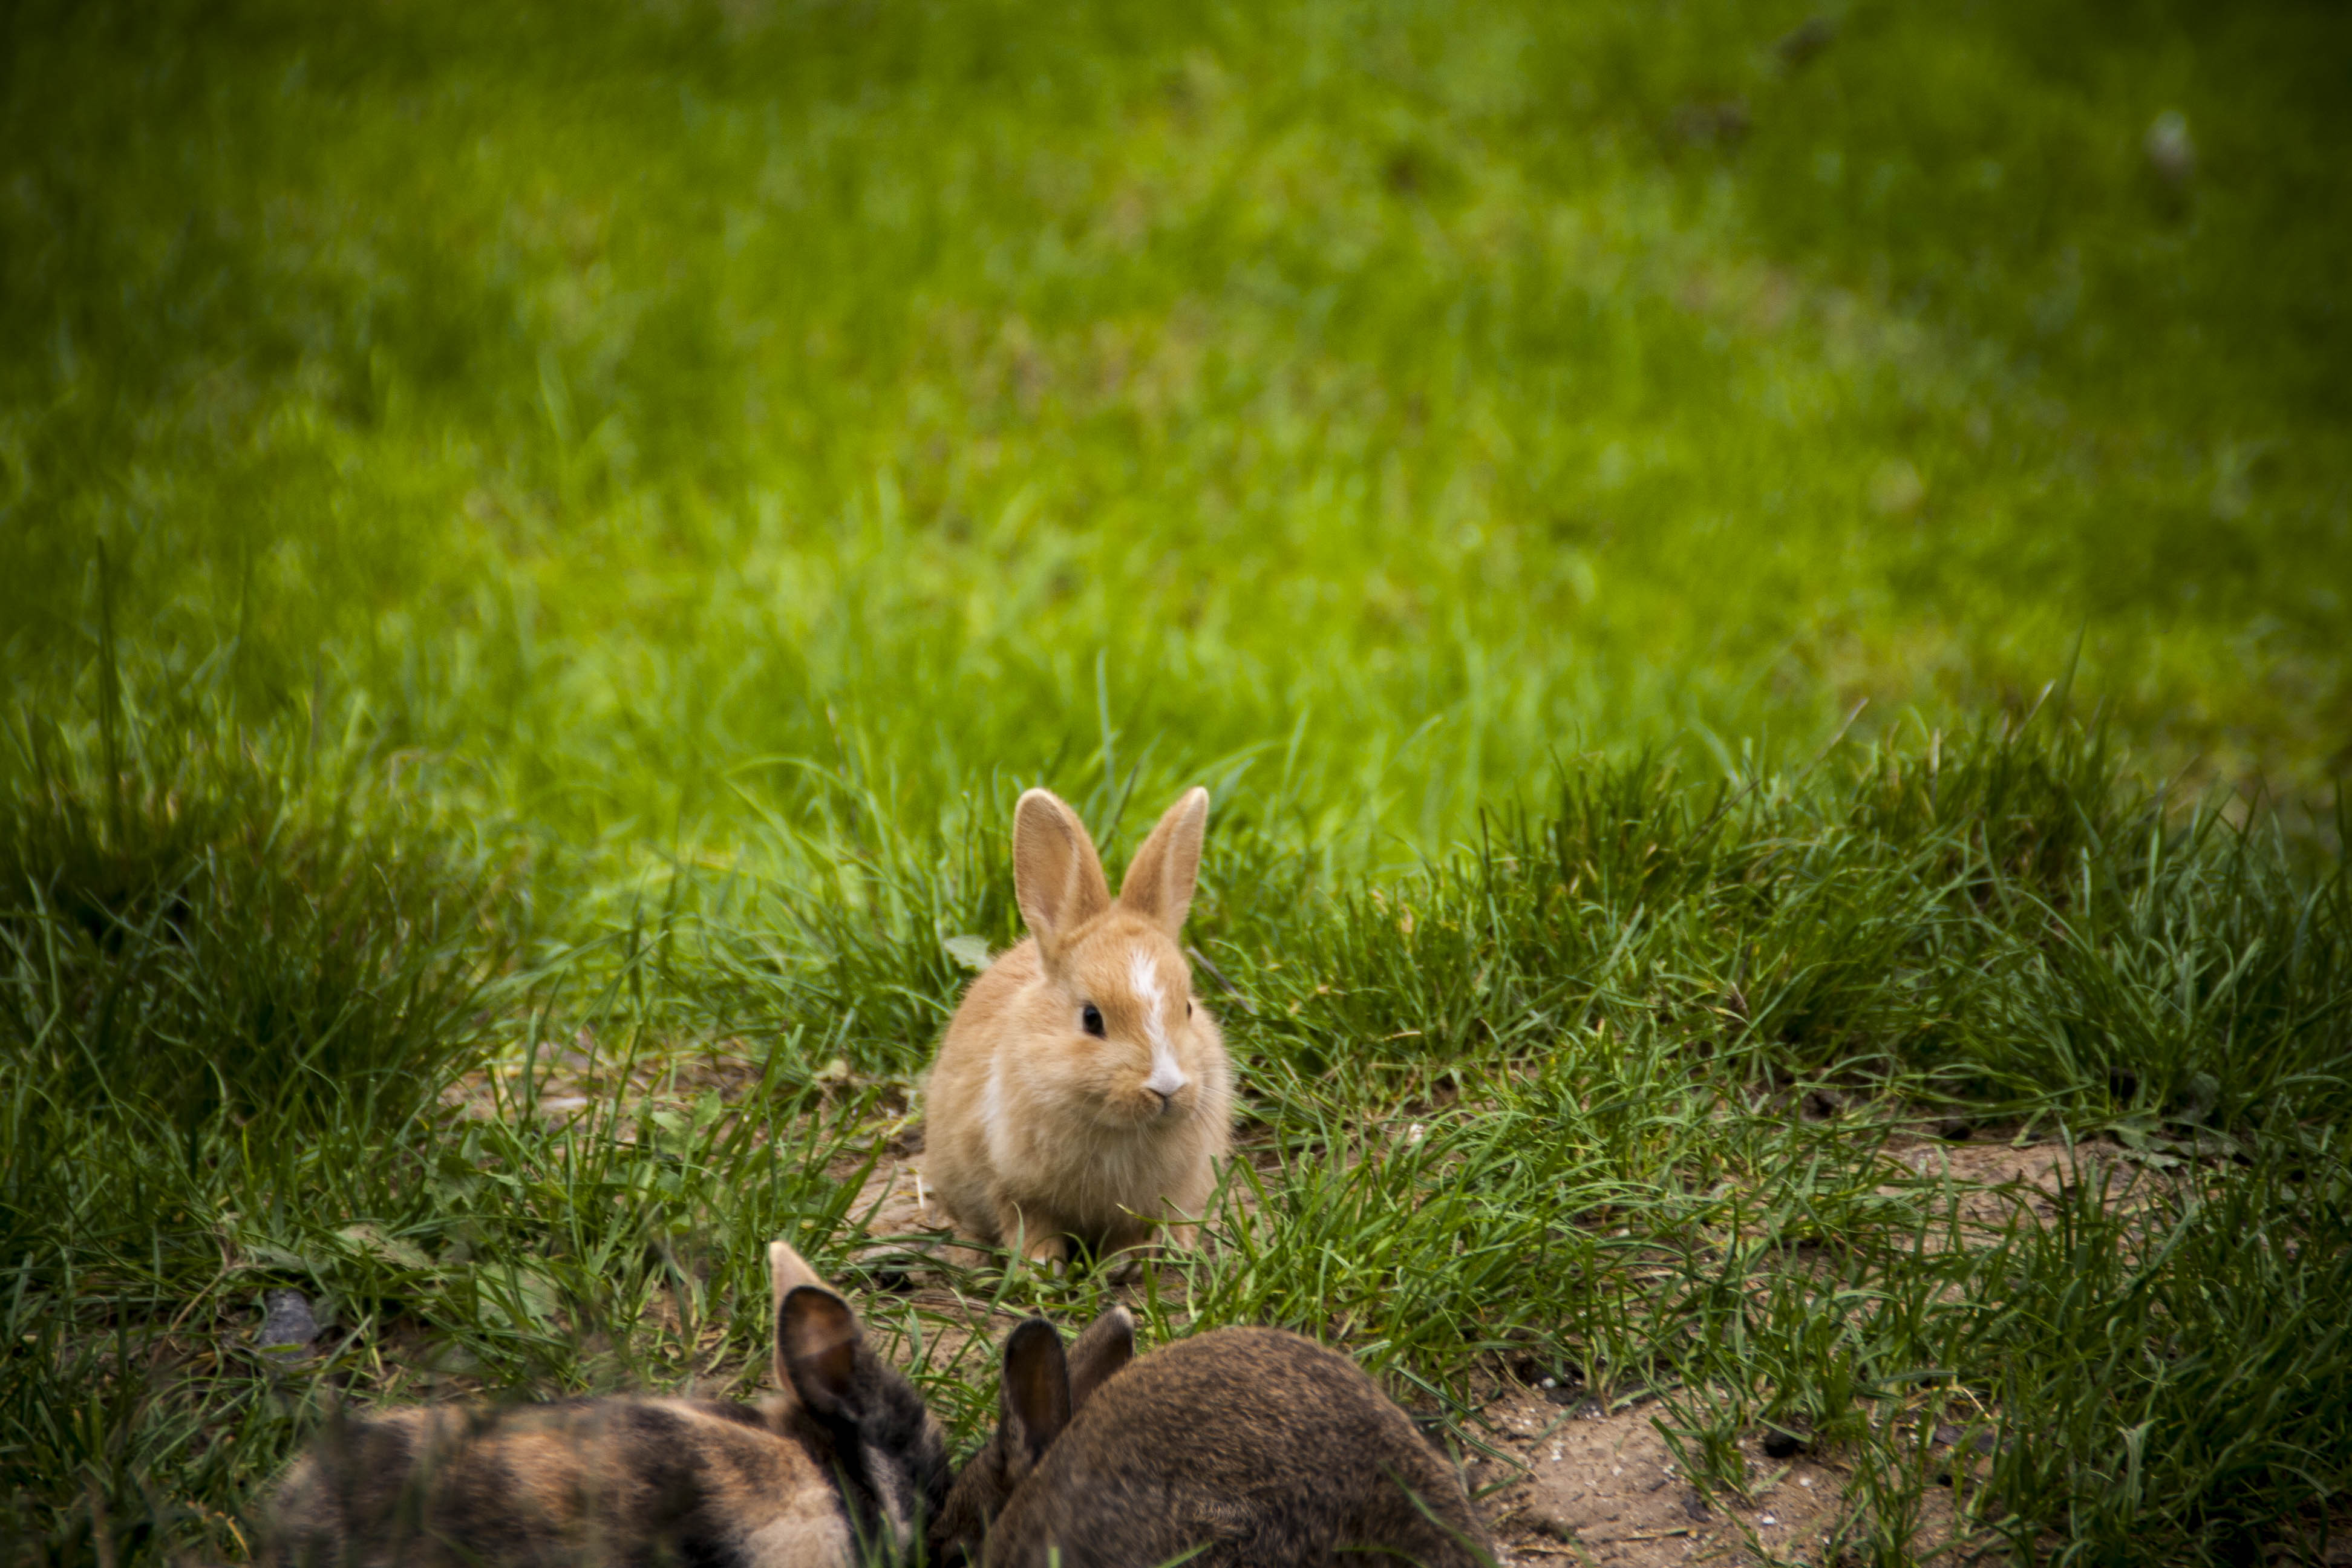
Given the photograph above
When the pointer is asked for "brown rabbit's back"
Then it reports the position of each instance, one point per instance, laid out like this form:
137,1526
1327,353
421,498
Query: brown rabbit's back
1264,1446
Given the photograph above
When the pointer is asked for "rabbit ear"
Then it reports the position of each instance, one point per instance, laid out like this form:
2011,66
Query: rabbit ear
1161,878
1106,1346
786,1268
1036,1399
817,1344
1056,875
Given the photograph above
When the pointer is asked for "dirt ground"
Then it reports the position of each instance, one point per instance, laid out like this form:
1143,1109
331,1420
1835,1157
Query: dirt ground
1603,1488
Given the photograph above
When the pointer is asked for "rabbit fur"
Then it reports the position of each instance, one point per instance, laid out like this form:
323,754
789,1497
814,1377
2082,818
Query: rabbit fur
1053,1386
1081,1091
841,1459
1249,1446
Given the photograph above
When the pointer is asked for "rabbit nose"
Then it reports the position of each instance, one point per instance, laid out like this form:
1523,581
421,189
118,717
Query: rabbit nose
1167,1082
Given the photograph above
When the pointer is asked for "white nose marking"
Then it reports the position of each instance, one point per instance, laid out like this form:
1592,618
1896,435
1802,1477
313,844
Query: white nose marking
1167,1079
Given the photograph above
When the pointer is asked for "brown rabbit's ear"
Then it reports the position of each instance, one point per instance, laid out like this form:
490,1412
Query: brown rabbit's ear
1056,875
1108,1344
817,1343
1160,879
1036,1399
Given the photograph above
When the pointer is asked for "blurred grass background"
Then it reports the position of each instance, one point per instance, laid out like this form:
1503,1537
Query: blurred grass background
617,401
523,520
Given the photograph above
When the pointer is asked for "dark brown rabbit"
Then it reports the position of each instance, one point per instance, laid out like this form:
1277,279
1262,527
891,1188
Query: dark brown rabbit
1247,1446
843,1462
1042,1389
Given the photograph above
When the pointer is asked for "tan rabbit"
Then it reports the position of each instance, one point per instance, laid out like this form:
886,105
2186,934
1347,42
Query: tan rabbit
1081,1092
842,1463
1244,1447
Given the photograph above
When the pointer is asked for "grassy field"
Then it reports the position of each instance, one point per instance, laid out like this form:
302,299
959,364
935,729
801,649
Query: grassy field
1746,580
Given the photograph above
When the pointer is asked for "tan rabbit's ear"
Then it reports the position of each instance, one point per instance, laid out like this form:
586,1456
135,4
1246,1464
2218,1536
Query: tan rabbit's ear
1161,878
1056,875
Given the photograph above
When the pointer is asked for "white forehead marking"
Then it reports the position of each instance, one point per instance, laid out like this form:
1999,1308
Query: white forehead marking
1144,977
1166,1078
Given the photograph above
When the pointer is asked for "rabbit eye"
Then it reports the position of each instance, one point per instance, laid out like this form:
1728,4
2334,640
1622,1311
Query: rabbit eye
1091,1016
1188,1007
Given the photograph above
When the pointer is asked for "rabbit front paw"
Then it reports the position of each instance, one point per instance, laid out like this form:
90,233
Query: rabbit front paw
1050,1254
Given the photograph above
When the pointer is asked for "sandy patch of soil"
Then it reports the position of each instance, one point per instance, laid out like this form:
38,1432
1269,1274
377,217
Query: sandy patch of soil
1993,1183
1602,1487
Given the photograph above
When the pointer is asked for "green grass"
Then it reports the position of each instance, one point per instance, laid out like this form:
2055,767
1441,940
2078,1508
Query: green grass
1732,601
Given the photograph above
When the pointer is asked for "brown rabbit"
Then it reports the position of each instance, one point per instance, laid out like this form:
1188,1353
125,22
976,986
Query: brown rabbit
1080,1090
1052,1389
1247,1446
841,1464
